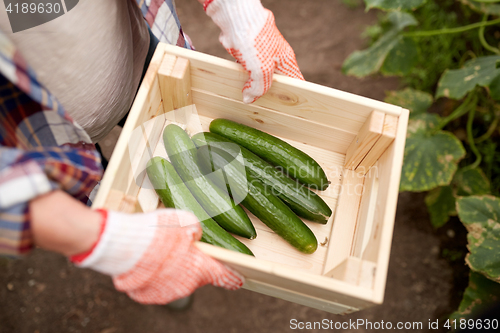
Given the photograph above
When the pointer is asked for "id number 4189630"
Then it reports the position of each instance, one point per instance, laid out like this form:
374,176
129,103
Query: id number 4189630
485,324
32,8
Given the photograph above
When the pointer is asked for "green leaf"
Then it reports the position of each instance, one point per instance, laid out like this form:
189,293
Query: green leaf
369,61
481,217
401,20
478,297
441,201
441,204
481,7
457,83
495,88
366,62
394,4
401,58
414,100
431,155
471,182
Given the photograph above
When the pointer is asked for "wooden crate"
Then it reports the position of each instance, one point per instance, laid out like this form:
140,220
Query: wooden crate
358,141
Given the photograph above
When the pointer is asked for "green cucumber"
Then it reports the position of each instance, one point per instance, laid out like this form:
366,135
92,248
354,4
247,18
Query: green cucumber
258,199
294,162
216,202
300,199
174,194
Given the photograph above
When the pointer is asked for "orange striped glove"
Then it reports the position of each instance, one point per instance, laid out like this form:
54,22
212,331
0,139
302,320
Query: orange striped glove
152,256
249,34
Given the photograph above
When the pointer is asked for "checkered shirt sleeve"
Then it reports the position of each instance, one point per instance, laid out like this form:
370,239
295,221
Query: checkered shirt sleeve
164,23
41,149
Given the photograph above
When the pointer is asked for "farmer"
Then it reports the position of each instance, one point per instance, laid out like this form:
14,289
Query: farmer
91,59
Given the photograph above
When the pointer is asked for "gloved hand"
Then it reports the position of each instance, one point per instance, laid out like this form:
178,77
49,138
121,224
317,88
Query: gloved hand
152,256
249,34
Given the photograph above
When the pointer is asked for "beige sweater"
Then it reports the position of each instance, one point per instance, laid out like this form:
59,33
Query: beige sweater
90,58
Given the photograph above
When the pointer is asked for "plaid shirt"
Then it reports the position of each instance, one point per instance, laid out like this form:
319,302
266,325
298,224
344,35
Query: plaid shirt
41,147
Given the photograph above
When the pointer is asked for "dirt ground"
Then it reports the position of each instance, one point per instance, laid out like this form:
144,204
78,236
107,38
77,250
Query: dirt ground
45,293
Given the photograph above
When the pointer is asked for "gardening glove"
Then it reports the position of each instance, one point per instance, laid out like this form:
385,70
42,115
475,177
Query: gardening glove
249,34
152,256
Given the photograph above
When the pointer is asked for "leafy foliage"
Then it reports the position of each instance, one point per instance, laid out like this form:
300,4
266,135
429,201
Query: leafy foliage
471,182
439,52
444,49
490,150
441,201
482,7
394,4
481,217
414,100
401,58
478,297
352,3
363,63
480,71
431,155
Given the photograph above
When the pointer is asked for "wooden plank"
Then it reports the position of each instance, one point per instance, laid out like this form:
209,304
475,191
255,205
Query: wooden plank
129,205
387,137
145,138
367,274
145,106
288,278
268,245
344,222
276,123
271,247
365,140
181,76
299,298
304,285
366,212
378,248
175,82
114,199
164,72
119,201
355,271
290,96
166,66
332,162
347,271
147,197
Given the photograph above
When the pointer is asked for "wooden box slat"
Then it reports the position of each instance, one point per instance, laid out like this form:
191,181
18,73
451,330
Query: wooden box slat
349,270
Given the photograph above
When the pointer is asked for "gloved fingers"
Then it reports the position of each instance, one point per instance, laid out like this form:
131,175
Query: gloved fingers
173,218
253,88
234,280
286,63
220,275
171,241
225,40
257,84
273,54
175,280
172,267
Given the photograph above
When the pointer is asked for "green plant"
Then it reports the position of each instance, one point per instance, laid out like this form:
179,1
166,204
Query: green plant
352,3
447,50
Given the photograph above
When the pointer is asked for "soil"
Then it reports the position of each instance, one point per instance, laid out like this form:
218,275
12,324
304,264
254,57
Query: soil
45,293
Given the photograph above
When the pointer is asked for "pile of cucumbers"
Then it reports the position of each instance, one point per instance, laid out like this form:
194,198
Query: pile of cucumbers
214,172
